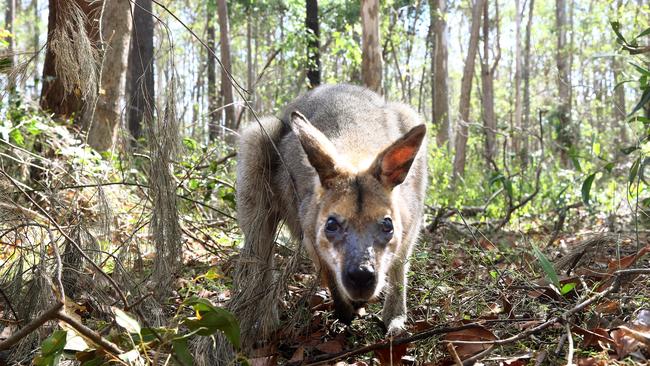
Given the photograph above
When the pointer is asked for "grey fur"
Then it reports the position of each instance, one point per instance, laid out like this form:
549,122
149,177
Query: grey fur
274,187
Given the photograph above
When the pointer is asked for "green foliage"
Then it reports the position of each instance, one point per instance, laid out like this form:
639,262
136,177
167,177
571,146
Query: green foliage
209,319
51,349
551,275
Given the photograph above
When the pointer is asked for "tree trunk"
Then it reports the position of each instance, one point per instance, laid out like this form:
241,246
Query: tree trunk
226,70
10,61
487,81
516,137
61,94
213,105
249,57
313,43
564,130
466,91
116,32
619,113
36,43
371,62
526,78
140,81
439,87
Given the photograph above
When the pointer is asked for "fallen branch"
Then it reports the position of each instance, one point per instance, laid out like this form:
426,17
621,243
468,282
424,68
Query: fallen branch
48,315
89,333
386,343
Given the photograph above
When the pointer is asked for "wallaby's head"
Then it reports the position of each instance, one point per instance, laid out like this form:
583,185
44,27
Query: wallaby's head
357,227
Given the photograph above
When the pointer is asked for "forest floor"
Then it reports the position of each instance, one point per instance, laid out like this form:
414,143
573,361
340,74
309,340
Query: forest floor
485,287
506,297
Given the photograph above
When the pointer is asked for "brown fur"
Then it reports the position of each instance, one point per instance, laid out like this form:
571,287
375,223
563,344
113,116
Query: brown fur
340,168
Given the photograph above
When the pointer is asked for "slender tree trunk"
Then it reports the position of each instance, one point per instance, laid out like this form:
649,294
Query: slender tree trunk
466,91
36,43
564,130
249,55
140,80
10,61
313,43
213,101
487,81
439,87
371,62
516,137
526,76
226,70
116,32
618,110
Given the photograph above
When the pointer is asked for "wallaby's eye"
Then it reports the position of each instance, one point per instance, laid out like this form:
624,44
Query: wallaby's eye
332,226
387,225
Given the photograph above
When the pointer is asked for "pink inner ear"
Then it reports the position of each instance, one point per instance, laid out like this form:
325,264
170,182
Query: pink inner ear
396,158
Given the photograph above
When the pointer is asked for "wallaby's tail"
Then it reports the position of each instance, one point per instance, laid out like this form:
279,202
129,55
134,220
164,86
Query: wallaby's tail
252,300
258,215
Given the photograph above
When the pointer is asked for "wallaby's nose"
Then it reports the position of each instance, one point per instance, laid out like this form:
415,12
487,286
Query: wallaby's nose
361,276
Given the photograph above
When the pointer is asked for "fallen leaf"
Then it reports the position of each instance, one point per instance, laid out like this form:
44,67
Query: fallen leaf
333,346
642,318
595,338
608,307
298,355
392,355
264,361
475,334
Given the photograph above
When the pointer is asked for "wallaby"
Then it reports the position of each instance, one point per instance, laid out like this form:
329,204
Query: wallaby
346,171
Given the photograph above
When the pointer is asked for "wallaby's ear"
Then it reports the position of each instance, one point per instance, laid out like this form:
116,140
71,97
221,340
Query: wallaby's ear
392,165
320,151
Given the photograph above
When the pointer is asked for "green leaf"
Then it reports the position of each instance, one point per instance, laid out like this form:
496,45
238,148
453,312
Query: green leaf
644,33
586,188
645,98
126,321
567,288
210,319
17,137
642,70
616,26
180,349
546,266
630,149
51,349
574,155
190,143
608,167
634,170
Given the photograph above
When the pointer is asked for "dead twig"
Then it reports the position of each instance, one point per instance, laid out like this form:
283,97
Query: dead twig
69,238
48,315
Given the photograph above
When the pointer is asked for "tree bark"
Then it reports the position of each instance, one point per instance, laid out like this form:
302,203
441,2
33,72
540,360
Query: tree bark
249,56
55,97
466,91
516,137
226,70
526,79
213,105
487,81
313,43
439,73
618,110
116,33
371,62
140,81
9,61
564,130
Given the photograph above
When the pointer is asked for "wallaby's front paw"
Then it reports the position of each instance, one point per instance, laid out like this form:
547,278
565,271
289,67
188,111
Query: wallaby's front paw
397,326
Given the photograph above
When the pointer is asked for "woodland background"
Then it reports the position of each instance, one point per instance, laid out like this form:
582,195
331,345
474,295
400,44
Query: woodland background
117,155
